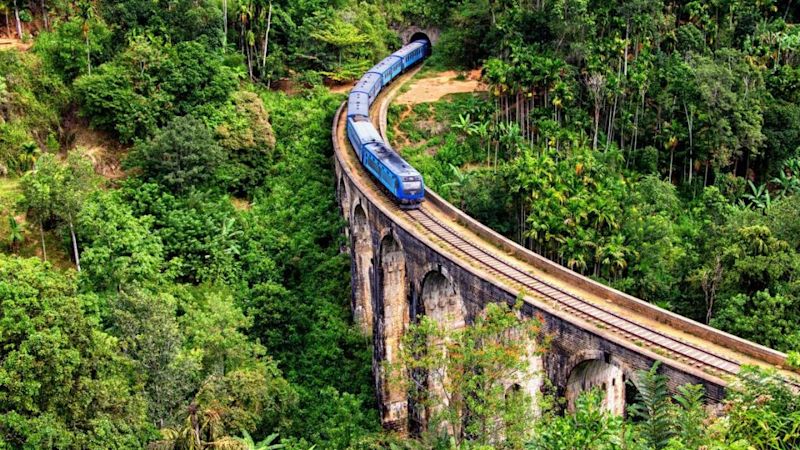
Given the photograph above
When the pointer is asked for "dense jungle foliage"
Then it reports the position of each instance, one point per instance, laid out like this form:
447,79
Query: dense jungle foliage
173,274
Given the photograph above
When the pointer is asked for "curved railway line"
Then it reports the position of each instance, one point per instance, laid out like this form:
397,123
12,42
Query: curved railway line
677,347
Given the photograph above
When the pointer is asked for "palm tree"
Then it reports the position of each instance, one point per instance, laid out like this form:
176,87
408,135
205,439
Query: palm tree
28,154
86,13
460,180
788,183
201,431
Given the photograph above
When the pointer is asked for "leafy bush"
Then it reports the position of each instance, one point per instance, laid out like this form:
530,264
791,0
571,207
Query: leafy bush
182,156
144,87
65,48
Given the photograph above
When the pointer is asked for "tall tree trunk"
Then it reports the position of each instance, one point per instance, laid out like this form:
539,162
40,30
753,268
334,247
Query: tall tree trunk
266,40
249,60
88,56
690,125
16,17
44,17
596,124
74,245
671,159
44,247
224,25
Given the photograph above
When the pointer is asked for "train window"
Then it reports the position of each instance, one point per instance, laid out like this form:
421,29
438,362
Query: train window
412,186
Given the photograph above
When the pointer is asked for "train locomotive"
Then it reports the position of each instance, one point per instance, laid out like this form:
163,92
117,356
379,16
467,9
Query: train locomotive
402,181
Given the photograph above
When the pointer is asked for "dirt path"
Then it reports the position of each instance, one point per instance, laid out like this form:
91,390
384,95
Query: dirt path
430,89
11,43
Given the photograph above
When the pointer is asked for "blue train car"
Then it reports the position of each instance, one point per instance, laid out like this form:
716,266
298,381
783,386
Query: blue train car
358,104
388,69
361,132
401,180
412,53
396,175
369,84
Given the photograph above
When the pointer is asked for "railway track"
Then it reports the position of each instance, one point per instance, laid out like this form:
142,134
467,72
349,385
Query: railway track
668,346
656,341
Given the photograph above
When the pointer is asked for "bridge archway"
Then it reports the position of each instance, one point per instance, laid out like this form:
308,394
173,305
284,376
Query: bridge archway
362,259
393,322
602,374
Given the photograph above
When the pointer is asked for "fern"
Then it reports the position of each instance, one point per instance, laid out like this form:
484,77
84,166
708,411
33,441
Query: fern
653,408
691,415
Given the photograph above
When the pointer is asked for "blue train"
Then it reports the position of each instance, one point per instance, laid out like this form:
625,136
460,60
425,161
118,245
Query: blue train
398,177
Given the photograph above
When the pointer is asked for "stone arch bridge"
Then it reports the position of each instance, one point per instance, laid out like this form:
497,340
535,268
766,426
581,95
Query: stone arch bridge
440,262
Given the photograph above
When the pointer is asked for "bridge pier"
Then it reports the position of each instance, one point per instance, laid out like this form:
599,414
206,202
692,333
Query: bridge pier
393,319
361,269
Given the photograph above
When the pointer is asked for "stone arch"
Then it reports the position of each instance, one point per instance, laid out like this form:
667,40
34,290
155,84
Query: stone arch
531,380
393,322
412,33
362,259
599,371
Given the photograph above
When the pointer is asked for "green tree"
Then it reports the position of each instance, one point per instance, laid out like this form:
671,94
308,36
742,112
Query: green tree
64,383
182,156
469,372
119,250
590,427
39,194
653,408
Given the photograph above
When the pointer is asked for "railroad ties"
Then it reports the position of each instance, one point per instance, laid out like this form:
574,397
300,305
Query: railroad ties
658,342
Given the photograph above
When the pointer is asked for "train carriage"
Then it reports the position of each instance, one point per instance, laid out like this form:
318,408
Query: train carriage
412,53
370,84
388,69
361,132
358,104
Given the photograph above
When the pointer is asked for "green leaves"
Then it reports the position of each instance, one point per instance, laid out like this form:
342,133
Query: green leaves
590,427
181,156
464,379
63,382
653,408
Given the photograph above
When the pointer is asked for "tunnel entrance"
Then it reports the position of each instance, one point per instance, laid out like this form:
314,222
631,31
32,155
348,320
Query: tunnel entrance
419,35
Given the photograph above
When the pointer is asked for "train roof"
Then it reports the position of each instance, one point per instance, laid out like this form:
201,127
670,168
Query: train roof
403,52
366,82
366,131
358,104
386,64
392,160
